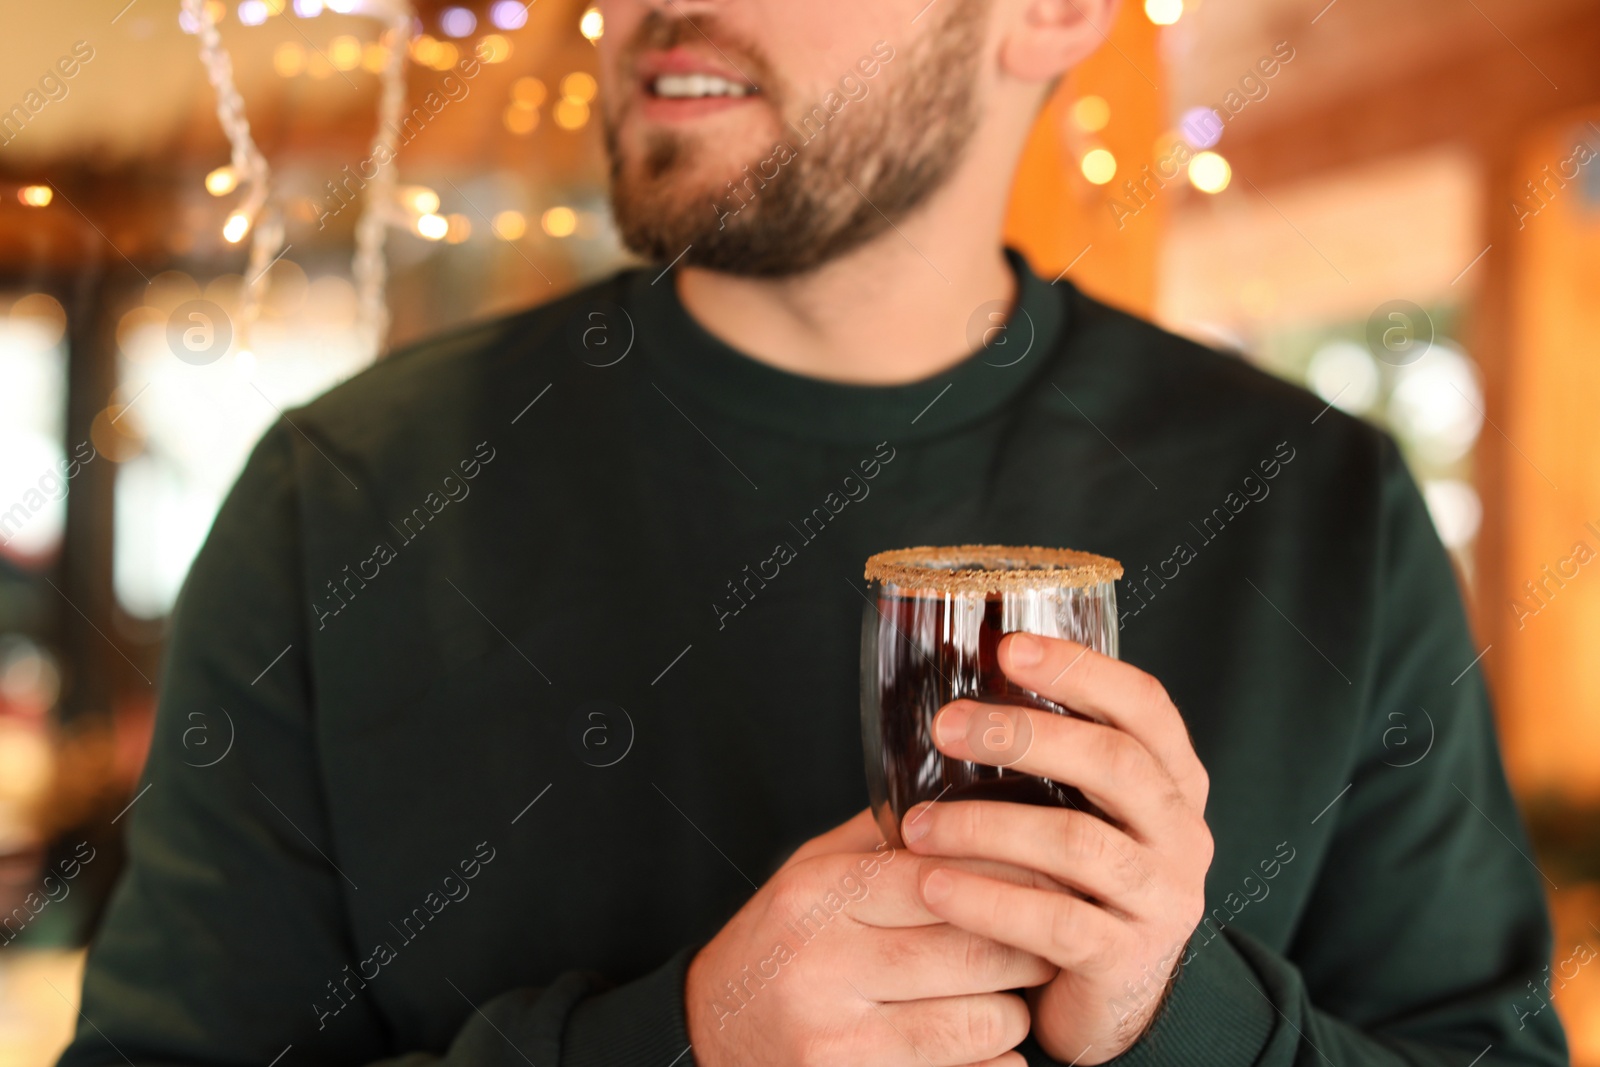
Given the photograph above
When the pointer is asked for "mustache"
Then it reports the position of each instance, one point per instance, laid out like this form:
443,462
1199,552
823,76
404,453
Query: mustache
661,32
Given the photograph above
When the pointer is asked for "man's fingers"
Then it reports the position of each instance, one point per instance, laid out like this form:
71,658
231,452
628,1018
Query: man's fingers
859,833
956,1031
1116,772
878,889
1010,1059
1101,687
1072,847
941,961
1067,930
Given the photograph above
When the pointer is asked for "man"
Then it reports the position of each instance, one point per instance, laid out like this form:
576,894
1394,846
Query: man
537,647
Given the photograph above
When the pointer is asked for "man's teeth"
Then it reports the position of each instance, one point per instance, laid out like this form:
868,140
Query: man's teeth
686,86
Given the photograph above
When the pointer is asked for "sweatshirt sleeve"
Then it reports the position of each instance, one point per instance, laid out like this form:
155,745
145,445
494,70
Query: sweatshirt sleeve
1427,922
232,910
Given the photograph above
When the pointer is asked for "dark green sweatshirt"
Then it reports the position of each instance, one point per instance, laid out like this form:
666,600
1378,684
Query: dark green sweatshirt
511,667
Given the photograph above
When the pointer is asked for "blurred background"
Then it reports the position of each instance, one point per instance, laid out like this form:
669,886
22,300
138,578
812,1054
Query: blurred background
1397,205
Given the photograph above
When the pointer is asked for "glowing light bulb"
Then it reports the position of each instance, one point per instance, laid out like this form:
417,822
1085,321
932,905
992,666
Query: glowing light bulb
222,181
420,198
36,195
236,227
593,24
433,227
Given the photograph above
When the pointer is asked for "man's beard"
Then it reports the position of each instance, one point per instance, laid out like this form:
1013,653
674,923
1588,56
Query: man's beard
804,202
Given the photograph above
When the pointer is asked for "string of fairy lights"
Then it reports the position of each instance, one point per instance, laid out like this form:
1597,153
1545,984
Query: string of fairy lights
400,38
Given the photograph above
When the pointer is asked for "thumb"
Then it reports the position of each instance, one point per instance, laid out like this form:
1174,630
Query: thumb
859,834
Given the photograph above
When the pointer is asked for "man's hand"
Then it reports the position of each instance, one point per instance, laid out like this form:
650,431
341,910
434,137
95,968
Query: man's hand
1139,885
836,961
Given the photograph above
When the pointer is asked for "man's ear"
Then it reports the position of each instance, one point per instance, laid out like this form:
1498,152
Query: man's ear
1050,37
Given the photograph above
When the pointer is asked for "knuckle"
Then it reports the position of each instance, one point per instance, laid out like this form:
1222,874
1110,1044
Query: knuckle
786,887
1101,948
1151,691
1124,757
983,1026
798,888
963,822
817,1048
1090,944
1176,801
1127,876
984,956
1065,937
1208,844
1078,837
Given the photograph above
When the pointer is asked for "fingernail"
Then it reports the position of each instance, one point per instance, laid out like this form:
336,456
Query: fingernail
937,887
917,823
1025,651
950,725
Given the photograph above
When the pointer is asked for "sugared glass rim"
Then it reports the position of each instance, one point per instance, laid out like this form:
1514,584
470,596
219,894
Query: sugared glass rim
990,568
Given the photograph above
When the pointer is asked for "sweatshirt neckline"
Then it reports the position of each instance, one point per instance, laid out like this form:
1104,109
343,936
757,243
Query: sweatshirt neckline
686,355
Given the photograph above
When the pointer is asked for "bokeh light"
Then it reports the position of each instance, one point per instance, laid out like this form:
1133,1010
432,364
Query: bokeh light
1456,510
289,59
1099,165
1163,12
508,14
580,86
1209,172
493,48
1091,113
571,114
222,181
1345,375
1201,127
510,225
433,227
1437,404
344,52
528,90
457,22
559,221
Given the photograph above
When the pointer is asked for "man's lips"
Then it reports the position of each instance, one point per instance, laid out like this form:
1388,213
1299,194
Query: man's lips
679,85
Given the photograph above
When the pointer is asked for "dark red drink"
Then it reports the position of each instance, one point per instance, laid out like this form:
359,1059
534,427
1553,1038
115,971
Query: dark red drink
925,647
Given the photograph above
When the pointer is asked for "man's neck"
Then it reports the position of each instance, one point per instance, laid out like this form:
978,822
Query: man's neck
899,309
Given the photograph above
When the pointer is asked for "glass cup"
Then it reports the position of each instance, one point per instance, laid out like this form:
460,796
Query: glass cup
930,635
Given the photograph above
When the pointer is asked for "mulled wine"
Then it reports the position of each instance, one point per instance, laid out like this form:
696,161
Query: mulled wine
931,635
